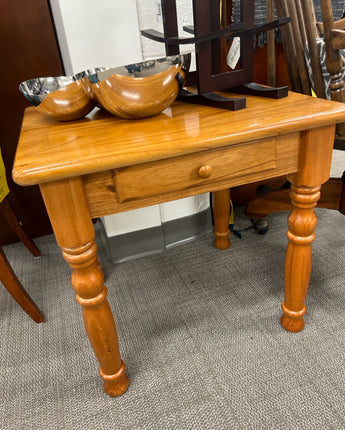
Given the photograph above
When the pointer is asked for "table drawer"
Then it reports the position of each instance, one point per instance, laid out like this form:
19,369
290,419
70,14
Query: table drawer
208,167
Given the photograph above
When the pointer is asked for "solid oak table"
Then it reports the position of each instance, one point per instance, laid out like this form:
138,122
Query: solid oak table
102,165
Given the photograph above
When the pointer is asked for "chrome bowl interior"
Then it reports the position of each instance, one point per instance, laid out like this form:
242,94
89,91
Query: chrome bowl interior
89,72
35,90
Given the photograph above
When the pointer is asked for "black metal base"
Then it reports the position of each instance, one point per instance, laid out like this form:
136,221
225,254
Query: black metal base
254,89
233,103
213,100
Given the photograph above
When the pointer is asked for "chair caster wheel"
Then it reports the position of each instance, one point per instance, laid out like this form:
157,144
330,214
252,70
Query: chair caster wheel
260,226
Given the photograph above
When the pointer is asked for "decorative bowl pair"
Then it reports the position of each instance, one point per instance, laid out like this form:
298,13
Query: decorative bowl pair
134,91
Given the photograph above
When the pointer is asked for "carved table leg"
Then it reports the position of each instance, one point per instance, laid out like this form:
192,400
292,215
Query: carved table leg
315,164
221,213
68,211
302,223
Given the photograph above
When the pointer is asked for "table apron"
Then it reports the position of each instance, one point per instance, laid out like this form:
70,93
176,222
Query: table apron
156,182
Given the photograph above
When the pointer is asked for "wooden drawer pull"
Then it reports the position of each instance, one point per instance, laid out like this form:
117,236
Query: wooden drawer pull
205,171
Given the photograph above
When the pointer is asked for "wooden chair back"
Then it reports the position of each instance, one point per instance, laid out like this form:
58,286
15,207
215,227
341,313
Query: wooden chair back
334,41
302,33
296,36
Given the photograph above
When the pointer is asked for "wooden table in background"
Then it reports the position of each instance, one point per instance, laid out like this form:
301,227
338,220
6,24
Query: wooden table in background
102,165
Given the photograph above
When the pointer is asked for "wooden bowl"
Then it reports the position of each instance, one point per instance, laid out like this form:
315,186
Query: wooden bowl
83,77
140,90
62,97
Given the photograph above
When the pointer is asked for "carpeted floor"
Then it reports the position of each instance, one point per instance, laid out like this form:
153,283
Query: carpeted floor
199,332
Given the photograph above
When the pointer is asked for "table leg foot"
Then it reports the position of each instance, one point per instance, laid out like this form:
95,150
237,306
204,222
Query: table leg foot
302,223
222,241
117,384
292,321
88,283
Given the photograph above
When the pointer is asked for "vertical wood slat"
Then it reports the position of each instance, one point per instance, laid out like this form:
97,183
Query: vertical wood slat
247,46
203,51
289,46
299,47
215,24
301,21
333,59
170,25
311,32
204,21
271,54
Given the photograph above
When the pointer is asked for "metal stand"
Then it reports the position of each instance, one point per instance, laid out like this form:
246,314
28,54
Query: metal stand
210,34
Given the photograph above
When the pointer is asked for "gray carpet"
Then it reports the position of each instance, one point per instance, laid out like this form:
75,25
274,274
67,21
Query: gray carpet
199,332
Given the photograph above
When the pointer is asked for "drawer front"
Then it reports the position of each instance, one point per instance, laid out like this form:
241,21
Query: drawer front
194,170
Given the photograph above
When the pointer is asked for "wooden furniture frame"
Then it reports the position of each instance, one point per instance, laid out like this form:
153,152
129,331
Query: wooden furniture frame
303,31
7,275
102,165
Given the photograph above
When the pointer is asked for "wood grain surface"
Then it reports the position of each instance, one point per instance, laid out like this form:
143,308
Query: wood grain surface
50,150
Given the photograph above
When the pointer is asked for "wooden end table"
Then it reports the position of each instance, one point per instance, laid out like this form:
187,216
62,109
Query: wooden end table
102,165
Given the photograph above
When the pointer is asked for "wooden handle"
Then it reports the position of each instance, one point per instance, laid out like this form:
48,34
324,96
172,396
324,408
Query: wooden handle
205,171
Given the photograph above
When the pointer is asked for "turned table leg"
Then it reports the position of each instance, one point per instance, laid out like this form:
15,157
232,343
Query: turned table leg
221,213
315,164
302,223
68,211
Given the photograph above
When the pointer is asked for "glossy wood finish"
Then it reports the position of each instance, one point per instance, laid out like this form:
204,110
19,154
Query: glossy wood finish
130,97
85,168
68,211
316,154
68,103
222,164
101,142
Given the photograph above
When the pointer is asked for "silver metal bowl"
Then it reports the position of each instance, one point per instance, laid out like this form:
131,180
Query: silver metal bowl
142,89
89,72
62,97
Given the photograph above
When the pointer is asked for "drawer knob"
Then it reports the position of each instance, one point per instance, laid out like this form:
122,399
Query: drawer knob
205,171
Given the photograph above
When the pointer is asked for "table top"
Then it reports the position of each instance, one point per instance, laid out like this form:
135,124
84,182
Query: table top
49,150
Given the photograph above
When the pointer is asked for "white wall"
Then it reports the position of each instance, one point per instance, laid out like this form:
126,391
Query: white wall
98,33
107,33
149,16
